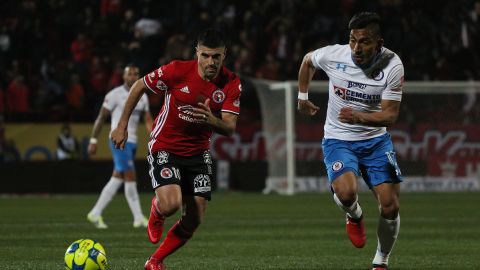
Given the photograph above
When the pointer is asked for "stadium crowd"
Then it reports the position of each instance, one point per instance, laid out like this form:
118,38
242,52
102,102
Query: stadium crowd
58,58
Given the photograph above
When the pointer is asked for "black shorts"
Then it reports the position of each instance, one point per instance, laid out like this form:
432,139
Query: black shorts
193,174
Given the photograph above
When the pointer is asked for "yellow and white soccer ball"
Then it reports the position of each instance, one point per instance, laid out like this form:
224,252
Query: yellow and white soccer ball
85,254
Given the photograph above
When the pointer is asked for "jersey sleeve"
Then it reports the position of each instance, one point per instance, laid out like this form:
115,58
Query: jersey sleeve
395,80
159,79
318,58
109,101
232,100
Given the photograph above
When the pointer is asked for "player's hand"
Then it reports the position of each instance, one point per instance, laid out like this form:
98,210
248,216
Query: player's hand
348,115
306,107
92,149
202,113
119,137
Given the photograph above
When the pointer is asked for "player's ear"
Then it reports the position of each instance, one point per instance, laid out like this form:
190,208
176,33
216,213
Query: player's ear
379,44
224,53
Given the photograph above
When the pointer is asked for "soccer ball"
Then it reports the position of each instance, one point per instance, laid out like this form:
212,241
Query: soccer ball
85,254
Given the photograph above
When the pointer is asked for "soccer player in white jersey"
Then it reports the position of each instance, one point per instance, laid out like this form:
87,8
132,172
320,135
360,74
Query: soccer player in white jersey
365,90
124,170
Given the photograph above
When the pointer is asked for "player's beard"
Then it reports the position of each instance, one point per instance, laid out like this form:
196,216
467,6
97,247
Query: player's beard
211,71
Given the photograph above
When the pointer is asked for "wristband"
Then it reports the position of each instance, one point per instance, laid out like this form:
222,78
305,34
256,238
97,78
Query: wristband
303,96
93,141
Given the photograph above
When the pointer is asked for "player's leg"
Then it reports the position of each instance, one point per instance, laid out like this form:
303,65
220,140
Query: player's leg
167,201
109,190
342,169
165,175
196,178
182,230
387,195
382,174
131,192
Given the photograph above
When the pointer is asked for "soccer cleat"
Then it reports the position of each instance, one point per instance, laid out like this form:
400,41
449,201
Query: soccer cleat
142,223
97,221
155,224
356,232
152,264
379,267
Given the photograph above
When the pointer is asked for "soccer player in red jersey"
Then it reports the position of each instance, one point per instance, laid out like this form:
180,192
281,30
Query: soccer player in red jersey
201,97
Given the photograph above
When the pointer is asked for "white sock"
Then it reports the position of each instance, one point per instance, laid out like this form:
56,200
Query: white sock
133,200
106,196
354,211
387,233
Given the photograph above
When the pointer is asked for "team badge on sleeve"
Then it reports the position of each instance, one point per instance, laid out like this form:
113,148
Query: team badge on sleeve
162,86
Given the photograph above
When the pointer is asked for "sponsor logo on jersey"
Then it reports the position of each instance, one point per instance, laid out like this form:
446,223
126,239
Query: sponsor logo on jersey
185,90
377,74
162,157
337,165
357,85
162,86
341,66
166,173
218,96
186,113
351,95
201,183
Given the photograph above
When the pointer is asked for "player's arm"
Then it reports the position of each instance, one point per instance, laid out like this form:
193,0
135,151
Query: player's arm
147,117
386,117
305,76
97,127
119,134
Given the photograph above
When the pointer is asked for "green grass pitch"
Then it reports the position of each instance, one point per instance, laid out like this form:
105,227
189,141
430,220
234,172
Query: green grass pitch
247,231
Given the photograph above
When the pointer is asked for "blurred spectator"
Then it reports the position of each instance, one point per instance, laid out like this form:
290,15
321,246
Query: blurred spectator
81,49
17,96
67,144
75,94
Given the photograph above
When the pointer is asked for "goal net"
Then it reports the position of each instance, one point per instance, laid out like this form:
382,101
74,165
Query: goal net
436,137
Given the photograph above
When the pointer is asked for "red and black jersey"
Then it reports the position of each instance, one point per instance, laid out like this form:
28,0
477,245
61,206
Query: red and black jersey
175,130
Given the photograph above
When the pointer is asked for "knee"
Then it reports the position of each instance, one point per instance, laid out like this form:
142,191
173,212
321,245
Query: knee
390,209
347,197
168,207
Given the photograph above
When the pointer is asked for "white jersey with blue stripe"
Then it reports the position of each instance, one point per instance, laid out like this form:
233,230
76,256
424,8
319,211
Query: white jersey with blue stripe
360,89
115,102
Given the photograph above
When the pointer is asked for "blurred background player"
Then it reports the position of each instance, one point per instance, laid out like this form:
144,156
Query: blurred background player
67,144
201,96
124,167
365,92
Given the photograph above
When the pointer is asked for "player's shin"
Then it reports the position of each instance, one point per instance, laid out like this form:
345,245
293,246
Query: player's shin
387,233
131,194
176,237
106,196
